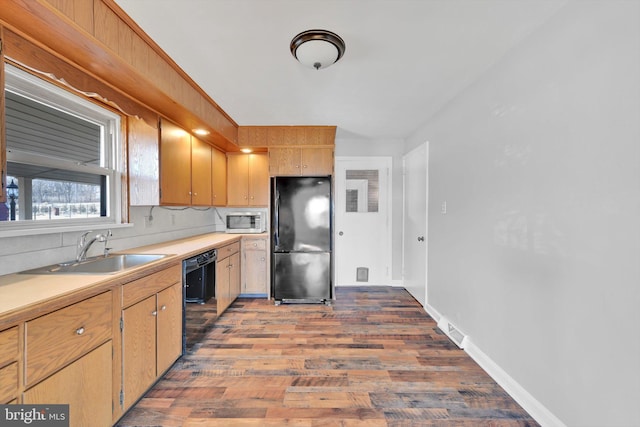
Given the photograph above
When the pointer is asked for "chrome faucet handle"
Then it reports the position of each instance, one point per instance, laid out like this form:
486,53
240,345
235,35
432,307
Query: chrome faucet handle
83,238
106,241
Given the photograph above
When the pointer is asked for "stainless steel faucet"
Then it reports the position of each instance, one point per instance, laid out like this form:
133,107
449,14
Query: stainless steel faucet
84,244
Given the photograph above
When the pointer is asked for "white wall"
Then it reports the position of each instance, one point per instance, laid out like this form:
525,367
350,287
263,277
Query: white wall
538,256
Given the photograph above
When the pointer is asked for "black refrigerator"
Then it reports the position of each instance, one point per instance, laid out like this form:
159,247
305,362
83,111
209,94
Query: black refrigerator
301,240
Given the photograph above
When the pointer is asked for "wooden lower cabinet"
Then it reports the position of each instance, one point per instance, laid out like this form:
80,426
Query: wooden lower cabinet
254,266
9,353
151,340
139,349
227,276
169,327
85,385
8,382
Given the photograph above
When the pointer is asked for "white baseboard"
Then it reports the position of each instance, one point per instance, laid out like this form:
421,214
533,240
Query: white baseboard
530,404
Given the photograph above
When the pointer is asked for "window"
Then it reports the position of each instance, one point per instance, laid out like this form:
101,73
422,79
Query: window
62,157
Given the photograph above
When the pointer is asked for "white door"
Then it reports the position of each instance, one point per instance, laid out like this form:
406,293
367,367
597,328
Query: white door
362,221
414,257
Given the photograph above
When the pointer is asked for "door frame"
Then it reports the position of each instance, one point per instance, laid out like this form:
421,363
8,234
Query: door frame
388,160
426,225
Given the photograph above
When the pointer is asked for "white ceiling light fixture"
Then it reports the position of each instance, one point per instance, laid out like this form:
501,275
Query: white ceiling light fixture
317,48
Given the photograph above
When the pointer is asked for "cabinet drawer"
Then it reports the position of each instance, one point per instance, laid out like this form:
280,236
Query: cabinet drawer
55,339
231,249
140,289
254,244
8,345
8,382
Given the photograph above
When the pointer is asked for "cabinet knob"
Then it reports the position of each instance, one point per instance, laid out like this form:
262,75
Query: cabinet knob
195,194
80,330
304,166
163,308
297,166
154,313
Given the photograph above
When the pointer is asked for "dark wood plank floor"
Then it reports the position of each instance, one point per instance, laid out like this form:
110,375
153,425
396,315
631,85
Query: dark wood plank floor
372,359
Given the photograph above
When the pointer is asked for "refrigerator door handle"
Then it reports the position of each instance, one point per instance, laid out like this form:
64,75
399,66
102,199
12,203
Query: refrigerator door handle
276,222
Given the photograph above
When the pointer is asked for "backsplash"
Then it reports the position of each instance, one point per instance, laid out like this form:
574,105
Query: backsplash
149,225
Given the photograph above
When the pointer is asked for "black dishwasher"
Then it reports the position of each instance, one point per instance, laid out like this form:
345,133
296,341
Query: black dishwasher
199,277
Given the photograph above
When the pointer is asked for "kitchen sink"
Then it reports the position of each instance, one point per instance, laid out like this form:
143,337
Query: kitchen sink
110,264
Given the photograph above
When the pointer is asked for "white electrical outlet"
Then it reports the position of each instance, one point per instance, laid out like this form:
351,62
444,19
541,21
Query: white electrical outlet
443,208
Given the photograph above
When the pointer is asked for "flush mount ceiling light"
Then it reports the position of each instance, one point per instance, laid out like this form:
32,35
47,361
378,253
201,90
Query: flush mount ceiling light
317,48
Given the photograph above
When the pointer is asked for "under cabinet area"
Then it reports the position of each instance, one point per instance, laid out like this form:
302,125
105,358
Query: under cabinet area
151,331
254,266
9,353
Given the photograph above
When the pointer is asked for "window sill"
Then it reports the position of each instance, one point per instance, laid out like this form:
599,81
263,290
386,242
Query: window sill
60,229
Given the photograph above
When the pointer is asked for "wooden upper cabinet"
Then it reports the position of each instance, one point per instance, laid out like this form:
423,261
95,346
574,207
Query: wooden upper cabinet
316,161
175,165
300,161
218,178
200,173
258,179
143,163
186,174
248,179
284,161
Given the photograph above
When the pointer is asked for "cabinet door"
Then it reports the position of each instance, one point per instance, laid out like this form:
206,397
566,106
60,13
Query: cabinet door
234,277
169,326
85,385
175,165
258,179
254,266
143,163
284,161
200,173
237,180
219,177
8,382
222,284
139,349
317,161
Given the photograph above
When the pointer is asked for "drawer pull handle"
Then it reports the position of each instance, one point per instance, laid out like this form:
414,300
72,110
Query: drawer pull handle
154,313
80,330
163,308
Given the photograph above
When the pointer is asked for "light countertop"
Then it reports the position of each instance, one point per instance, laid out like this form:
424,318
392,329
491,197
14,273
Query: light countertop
20,292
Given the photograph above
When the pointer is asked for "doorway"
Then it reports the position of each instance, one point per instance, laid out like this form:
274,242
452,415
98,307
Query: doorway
414,246
362,221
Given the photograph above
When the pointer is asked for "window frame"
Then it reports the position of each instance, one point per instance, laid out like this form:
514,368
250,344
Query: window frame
112,163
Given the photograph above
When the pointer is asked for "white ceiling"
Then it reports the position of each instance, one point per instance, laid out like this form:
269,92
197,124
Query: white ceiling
404,58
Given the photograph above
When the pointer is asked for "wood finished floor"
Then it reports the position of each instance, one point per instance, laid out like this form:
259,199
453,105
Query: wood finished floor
372,359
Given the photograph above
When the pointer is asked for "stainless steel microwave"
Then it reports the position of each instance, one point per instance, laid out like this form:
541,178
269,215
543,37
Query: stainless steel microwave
246,222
